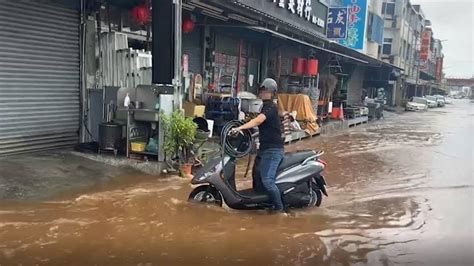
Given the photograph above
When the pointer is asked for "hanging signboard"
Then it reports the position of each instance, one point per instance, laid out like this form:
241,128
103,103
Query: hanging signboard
439,68
376,27
357,21
310,15
425,45
337,23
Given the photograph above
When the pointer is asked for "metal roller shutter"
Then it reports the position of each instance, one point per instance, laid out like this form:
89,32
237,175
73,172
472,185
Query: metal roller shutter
39,76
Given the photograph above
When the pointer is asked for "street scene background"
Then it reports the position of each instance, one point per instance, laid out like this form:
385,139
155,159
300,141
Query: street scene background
400,192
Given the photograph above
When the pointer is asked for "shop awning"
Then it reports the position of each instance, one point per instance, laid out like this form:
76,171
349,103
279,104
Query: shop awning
410,81
283,36
370,60
426,76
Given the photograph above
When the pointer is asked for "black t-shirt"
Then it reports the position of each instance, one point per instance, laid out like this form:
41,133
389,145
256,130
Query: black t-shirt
270,129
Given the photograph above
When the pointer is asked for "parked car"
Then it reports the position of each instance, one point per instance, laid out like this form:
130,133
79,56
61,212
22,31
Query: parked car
441,97
432,103
417,104
448,100
439,102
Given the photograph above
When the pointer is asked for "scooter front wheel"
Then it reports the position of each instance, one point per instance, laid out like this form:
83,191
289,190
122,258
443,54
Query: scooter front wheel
206,194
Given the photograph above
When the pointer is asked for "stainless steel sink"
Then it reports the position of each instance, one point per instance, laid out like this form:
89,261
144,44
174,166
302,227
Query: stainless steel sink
144,115
147,115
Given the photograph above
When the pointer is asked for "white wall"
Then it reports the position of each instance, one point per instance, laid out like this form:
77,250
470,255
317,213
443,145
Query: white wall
372,48
375,6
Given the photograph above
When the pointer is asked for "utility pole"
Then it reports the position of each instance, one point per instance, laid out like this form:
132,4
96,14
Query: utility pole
418,48
417,65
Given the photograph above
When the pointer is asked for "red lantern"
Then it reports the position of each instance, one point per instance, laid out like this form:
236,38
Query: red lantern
141,14
311,67
299,65
188,25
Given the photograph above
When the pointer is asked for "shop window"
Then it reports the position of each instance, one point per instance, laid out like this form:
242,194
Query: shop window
387,49
388,9
387,46
116,18
394,23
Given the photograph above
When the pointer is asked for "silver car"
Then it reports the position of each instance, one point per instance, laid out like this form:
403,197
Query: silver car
441,98
417,104
440,102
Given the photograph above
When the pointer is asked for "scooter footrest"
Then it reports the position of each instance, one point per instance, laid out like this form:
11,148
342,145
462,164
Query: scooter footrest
255,196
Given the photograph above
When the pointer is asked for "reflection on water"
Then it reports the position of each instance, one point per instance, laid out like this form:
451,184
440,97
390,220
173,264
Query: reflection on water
386,201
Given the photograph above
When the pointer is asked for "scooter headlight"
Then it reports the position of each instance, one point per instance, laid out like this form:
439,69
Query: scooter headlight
204,176
209,172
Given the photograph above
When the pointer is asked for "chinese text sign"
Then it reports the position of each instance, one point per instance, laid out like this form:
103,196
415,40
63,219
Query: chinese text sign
337,23
357,20
425,45
439,68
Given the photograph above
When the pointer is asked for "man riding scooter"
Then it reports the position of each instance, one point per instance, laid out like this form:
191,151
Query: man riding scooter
296,181
271,151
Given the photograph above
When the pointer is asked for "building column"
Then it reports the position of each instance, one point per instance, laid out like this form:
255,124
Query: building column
163,41
166,26
394,93
399,91
264,64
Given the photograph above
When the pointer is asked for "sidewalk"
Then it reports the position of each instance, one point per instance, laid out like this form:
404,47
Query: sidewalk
43,175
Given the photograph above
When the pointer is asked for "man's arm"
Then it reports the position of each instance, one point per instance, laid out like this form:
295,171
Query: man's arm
257,121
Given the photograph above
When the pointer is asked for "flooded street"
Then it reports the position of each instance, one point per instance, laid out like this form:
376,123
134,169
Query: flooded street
400,192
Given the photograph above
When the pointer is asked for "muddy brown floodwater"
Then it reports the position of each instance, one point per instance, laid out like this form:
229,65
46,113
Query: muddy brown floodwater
401,192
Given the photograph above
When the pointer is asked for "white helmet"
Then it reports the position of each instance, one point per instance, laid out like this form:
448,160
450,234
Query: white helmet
269,84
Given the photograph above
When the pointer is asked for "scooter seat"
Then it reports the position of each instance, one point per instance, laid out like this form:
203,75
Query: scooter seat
291,159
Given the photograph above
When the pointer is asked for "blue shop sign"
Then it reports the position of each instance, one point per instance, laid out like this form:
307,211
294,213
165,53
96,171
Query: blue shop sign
357,21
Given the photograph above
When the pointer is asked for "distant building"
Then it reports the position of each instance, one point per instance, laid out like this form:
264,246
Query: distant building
404,23
409,44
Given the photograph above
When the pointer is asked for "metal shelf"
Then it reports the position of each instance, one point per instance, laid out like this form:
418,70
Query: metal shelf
143,153
299,76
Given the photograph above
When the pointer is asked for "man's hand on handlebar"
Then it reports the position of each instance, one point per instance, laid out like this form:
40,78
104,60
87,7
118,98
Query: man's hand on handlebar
235,131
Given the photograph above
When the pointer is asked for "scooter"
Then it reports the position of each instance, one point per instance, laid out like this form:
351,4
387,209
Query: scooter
299,179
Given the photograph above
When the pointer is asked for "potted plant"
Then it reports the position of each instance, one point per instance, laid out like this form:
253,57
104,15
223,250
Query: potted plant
180,133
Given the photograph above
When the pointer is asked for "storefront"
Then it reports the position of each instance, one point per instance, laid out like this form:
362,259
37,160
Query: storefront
39,75
245,51
296,34
236,60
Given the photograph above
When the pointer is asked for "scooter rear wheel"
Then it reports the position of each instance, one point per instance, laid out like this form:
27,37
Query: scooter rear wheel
206,194
316,196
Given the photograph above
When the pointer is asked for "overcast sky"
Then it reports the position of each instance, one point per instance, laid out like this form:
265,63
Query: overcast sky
453,20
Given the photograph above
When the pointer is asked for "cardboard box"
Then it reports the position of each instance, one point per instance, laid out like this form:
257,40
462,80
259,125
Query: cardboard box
193,110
